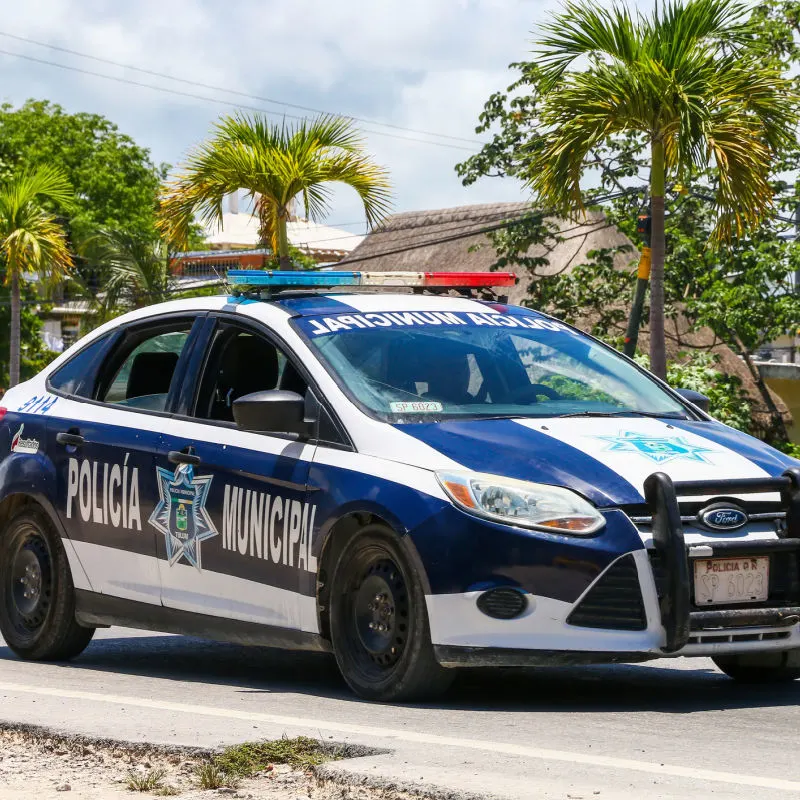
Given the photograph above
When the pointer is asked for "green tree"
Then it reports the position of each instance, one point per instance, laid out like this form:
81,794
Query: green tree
691,81
274,164
32,241
135,273
115,182
34,355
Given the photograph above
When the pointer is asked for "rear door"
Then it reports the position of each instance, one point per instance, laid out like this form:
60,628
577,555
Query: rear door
235,515
103,445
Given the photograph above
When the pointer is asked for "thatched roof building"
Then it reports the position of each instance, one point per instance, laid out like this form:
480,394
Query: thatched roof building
456,240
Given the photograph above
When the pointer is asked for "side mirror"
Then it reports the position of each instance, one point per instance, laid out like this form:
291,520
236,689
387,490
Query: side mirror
695,398
273,411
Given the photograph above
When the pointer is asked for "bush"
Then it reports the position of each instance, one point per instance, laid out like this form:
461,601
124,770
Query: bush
728,401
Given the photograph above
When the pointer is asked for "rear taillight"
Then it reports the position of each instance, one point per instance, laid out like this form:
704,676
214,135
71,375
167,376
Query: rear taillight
3,412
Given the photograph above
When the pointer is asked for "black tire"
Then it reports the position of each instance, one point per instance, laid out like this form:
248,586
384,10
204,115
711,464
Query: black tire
778,666
374,585
37,596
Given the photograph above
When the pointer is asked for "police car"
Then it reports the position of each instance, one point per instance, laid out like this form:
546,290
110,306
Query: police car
416,480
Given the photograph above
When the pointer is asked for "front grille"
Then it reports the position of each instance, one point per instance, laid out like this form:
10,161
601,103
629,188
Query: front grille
614,601
784,580
730,638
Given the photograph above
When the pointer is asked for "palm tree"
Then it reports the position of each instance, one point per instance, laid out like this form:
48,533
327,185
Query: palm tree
275,164
31,240
133,272
692,80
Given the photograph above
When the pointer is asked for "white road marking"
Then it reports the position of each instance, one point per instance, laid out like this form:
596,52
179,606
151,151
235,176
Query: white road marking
413,737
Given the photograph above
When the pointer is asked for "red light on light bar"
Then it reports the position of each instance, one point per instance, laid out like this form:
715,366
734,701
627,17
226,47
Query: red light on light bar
470,279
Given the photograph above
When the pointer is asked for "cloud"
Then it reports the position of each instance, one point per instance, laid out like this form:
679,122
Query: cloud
423,64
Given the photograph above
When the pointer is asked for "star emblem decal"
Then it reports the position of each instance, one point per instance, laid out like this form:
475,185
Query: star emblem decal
181,513
657,448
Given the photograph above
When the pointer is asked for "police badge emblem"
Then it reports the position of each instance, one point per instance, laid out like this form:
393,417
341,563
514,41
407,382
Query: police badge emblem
181,513
657,448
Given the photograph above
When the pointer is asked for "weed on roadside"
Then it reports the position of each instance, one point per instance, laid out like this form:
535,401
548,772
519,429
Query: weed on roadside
244,760
210,776
167,791
149,781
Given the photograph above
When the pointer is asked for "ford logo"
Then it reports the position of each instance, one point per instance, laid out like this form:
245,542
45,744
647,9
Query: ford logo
723,518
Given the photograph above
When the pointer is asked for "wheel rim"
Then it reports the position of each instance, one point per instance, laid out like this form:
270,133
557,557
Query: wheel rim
29,581
378,632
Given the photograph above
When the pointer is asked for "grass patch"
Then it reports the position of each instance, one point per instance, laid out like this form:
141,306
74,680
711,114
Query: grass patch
149,781
210,776
244,760
167,791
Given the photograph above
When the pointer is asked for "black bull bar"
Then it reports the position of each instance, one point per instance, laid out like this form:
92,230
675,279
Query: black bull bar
661,494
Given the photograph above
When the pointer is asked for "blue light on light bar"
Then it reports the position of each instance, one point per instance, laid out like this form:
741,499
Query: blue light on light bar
281,278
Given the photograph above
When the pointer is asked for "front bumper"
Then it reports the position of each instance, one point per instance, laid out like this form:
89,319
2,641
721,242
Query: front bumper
679,621
663,620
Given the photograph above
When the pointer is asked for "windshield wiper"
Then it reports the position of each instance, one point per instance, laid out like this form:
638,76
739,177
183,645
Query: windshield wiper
651,414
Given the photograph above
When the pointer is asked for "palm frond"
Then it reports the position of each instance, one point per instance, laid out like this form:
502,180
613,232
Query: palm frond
689,76
586,29
273,164
31,240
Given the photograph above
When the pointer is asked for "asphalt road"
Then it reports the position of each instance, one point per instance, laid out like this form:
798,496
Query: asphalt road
676,729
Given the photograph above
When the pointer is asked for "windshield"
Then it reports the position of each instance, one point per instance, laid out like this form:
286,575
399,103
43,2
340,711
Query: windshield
426,366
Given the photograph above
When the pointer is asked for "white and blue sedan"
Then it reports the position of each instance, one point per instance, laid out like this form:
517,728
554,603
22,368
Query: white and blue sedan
414,480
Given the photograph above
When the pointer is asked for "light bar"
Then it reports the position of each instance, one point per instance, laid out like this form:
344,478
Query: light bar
241,279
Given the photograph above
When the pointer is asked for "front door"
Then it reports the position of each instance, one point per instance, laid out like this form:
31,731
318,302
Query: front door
234,517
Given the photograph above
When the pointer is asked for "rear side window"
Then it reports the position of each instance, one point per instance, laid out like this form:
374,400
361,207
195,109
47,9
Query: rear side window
141,374
76,377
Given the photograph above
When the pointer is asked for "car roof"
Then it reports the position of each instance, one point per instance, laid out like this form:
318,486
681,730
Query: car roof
313,304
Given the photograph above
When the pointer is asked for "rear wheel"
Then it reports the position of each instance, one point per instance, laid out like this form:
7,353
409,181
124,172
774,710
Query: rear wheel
778,666
37,597
379,624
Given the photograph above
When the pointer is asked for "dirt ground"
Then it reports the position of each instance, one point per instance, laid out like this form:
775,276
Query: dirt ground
36,765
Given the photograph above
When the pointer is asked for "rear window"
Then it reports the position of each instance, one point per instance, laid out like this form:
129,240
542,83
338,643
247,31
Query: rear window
76,377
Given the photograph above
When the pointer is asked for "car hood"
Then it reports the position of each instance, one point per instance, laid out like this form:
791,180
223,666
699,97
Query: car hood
607,460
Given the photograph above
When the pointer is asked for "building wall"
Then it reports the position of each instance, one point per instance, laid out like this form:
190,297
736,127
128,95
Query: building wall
789,391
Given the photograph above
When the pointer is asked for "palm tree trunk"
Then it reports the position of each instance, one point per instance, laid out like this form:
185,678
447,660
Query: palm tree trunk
15,325
658,347
283,240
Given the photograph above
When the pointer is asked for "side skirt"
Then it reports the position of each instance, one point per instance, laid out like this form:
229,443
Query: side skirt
94,610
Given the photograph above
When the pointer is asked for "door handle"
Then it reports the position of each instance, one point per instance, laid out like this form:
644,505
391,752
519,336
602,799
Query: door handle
184,456
70,439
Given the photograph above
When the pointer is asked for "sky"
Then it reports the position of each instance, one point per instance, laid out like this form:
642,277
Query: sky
427,65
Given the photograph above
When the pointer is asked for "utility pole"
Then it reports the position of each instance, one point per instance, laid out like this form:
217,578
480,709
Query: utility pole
796,287
642,282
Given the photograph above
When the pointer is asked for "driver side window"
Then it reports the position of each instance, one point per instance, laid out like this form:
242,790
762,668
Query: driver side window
241,361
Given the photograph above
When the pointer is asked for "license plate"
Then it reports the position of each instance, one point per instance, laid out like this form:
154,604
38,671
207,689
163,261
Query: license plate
719,581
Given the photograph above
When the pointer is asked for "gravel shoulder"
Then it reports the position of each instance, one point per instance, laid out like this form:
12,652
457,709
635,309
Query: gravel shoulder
39,765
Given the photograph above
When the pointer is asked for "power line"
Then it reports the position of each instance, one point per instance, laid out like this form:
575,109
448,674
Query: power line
234,91
207,99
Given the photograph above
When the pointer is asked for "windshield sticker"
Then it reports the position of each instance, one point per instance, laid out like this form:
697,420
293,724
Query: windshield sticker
657,448
318,326
20,445
418,407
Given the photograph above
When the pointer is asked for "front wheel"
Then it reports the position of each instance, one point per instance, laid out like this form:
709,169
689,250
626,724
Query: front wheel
37,597
778,666
379,623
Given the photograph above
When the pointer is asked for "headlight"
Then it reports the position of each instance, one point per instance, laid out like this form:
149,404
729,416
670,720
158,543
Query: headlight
530,505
